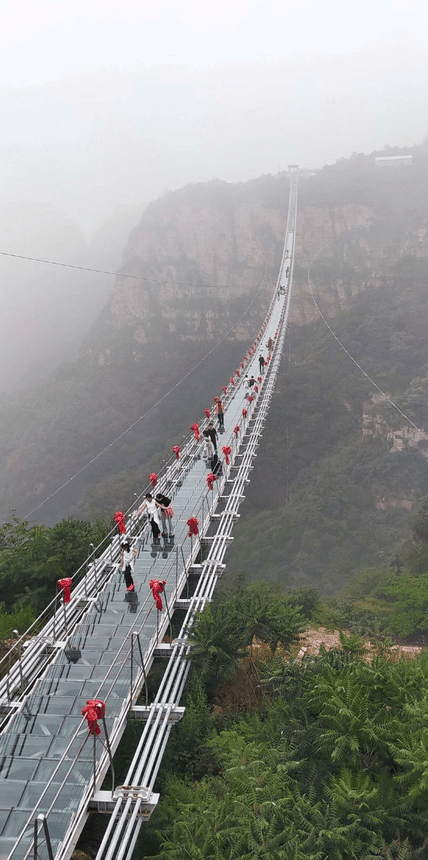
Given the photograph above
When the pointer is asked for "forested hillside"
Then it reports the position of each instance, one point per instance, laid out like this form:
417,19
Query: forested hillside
326,500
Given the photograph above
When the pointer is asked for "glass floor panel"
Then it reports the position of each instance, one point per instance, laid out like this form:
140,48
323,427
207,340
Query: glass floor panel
94,657
79,775
4,815
64,799
102,671
77,671
46,725
23,745
112,695
16,768
13,795
60,705
107,630
7,845
106,643
57,825
60,687
59,745
17,821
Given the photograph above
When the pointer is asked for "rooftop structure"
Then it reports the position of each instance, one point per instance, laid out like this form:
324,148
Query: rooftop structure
394,160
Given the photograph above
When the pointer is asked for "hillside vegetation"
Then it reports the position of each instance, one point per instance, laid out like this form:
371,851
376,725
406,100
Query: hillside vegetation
278,756
313,513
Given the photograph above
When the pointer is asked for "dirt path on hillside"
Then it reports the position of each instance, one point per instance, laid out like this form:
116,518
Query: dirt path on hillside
311,640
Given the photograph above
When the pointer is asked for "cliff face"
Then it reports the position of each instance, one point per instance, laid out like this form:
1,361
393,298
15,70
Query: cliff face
203,259
209,248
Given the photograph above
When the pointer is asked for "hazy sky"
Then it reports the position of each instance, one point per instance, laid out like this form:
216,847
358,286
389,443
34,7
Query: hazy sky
106,103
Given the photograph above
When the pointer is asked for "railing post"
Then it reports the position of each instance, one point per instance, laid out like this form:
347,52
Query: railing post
169,617
7,684
65,617
185,568
21,677
94,760
42,819
132,664
142,666
54,617
113,775
95,566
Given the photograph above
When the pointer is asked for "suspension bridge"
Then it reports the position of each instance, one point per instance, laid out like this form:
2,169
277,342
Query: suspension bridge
100,646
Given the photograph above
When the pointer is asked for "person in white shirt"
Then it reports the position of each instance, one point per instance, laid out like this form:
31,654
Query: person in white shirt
127,563
152,508
207,447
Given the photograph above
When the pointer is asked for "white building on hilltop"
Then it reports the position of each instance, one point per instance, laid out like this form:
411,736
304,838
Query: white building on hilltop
393,160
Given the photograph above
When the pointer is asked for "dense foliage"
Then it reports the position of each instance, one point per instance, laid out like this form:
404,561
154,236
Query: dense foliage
33,558
324,758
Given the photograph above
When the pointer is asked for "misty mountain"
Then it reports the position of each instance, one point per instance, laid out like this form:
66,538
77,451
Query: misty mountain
46,309
200,257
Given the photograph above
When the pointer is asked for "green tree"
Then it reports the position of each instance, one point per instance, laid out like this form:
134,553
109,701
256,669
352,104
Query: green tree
33,557
216,645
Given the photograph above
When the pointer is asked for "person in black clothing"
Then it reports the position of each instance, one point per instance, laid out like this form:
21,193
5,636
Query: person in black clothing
165,505
212,433
216,465
127,563
261,364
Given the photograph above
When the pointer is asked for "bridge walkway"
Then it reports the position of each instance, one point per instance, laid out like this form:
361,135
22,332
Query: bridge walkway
51,767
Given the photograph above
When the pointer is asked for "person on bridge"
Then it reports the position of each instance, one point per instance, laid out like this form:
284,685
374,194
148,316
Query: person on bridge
219,408
166,513
270,345
215,464
212,433
249,384
261,364
127,563
152,508
207,448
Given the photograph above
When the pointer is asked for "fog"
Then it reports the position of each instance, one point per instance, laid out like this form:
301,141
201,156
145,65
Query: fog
106,105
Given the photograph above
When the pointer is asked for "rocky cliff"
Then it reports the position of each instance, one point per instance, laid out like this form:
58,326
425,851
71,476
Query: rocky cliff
206,249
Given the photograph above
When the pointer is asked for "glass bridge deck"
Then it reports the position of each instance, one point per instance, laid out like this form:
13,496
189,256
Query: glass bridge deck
46,750
48,743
